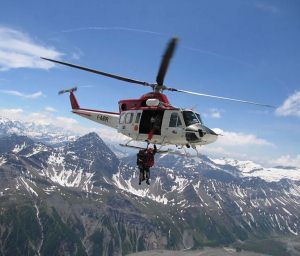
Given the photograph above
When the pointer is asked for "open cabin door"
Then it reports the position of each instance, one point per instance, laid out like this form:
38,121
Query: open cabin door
151,119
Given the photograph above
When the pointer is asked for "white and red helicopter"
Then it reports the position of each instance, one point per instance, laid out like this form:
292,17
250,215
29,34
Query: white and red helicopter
152,118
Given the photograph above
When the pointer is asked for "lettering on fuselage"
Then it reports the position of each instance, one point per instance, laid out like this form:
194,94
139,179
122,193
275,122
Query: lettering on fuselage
102,118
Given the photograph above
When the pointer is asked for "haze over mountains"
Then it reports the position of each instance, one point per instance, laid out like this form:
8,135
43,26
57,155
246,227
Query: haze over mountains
63,194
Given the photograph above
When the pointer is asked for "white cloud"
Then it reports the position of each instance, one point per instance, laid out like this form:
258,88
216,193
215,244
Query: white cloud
237,145
291,106
215,113
18,50
76,54
67,120
42,117
50,109
48,118
218,151
11,113
288,160
23,95
127,29
239,139
267,8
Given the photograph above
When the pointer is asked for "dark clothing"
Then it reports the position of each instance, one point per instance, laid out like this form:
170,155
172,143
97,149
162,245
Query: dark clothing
141,158
144,162
144,175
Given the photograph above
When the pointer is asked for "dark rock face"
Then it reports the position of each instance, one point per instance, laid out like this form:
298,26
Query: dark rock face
14,143
80,199
92,151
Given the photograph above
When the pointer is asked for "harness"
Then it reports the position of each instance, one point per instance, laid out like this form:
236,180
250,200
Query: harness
145,158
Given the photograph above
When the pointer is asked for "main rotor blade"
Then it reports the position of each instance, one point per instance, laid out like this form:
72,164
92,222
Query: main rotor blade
219,97
165,61
125,79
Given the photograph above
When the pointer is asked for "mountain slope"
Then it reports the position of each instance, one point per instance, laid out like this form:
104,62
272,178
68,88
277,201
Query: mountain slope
80,199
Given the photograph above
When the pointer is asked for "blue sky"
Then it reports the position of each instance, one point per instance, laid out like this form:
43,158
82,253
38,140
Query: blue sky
240,49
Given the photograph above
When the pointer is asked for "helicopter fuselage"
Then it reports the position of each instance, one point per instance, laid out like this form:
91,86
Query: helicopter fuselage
152,113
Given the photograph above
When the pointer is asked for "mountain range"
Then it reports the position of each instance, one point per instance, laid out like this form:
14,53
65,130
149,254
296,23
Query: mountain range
61,194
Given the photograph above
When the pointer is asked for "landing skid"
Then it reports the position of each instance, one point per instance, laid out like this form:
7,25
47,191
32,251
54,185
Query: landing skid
137,147
184,152
167,151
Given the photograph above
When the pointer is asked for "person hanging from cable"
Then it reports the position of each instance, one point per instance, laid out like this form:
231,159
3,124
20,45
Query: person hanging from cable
140,161
145,160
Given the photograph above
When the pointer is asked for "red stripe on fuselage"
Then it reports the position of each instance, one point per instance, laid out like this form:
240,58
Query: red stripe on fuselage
97,111
84,114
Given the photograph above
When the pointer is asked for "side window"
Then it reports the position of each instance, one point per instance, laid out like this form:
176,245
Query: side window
122,118
128,118
174,120
137,119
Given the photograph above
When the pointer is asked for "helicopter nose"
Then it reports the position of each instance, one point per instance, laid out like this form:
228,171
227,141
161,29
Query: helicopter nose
209,131
199,133
210,136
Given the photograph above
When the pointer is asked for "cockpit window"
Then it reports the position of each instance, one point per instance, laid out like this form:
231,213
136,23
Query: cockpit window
174,120
190,118
199,118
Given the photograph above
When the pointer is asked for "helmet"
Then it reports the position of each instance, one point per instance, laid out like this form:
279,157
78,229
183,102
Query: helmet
150,150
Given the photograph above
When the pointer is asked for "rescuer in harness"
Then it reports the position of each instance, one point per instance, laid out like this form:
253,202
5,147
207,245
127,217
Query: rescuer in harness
145,160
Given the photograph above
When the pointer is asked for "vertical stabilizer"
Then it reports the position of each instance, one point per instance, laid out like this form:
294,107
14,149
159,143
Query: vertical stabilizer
74,102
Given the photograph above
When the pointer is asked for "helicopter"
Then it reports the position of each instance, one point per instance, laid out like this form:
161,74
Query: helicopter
151,118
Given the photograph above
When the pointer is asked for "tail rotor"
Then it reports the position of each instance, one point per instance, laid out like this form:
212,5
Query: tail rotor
74,89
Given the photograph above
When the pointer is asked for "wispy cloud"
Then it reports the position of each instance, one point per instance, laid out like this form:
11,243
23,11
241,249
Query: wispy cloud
267,8
291,106
23,95
18,50
136,30
50,109
219,152
237,145
77,53
12,113
214,113
41,117
240,139
218,55
47,117
288,160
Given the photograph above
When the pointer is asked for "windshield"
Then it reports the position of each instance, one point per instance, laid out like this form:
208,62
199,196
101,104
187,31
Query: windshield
190,118
199,118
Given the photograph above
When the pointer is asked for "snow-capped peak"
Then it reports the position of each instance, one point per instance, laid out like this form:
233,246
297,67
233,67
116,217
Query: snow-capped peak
251,169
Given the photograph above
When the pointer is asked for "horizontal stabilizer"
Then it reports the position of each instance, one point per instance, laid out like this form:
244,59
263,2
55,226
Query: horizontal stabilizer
74,89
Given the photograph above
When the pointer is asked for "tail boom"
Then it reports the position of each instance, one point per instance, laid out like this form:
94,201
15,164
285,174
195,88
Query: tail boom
110,119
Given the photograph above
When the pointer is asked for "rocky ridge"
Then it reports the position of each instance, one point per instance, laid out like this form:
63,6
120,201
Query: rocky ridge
81,199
